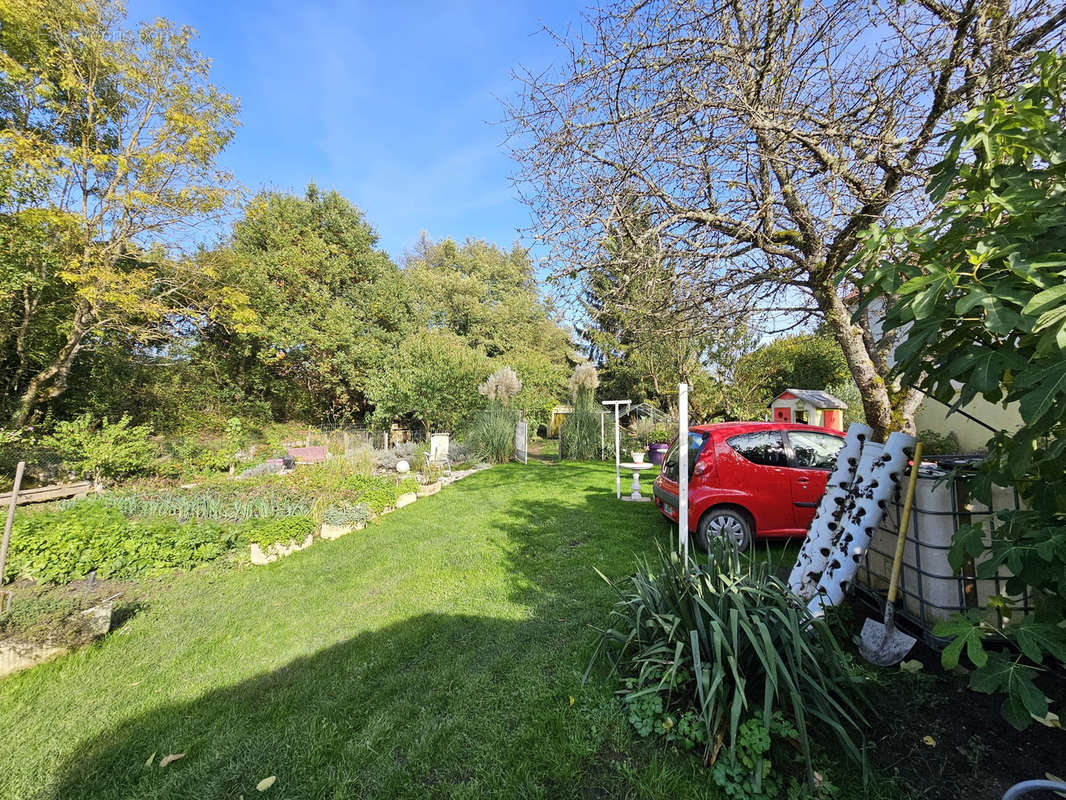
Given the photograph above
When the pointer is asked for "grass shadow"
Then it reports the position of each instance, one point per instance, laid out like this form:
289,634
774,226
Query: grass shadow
436,705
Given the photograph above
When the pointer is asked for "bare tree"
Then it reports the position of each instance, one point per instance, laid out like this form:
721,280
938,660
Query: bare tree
764,136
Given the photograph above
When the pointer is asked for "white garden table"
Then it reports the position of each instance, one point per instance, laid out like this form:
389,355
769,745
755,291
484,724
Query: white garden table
636,496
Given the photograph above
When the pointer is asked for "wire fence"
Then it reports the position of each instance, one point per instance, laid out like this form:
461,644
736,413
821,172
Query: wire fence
347,440
44,467
930,590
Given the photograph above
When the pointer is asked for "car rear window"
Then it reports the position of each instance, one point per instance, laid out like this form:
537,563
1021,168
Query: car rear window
762,447
696,441
815,450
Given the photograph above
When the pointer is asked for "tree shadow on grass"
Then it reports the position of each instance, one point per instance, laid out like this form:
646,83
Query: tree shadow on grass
436,705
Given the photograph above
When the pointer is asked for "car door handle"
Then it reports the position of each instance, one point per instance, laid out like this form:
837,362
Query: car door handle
803,479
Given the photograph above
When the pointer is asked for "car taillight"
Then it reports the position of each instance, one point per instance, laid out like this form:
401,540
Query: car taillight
700,468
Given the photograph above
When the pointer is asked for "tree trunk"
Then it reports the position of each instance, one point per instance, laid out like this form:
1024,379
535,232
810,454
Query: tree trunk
51,381
876,402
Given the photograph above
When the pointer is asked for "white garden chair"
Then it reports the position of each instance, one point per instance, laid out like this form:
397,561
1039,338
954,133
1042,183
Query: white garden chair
438,451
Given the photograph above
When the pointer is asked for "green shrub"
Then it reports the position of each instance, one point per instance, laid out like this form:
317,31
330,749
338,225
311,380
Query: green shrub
938,444
662,435
61,546
377,491
105,451
347,514
726,642
492,433
266,531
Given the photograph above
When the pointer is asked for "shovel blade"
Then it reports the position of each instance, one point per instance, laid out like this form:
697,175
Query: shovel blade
883,646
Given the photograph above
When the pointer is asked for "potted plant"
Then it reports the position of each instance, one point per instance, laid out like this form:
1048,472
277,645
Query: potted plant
659,443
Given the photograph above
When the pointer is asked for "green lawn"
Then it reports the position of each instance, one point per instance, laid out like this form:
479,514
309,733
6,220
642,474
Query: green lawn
437,653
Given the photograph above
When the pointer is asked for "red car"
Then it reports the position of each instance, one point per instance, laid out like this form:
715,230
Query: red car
749,479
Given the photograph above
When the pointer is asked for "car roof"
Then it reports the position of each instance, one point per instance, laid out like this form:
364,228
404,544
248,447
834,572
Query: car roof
732,428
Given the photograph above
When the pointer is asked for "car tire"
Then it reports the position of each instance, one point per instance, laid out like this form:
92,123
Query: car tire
727,523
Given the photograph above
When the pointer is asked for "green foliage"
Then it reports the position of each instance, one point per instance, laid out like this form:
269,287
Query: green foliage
264,496
728,641
111,141
661,435
486,297
347,514
543,385
492,433
102,451
752,774
213,503
936,444
327,304
643,333
431,377
979,294
61,546
377,491
805,361
49,617
579,435
265,531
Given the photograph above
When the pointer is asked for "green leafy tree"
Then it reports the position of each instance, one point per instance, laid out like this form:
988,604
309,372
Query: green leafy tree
431,377
982,304
543,385
328,305
805,361
109,148
484,295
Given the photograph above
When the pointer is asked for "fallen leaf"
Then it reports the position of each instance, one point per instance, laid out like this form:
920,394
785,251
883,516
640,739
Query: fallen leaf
151,758
913,665
929,740
170,758
1057,779
136,683
571,699
266,783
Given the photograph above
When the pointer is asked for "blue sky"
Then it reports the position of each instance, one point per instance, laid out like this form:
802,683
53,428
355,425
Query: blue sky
388,103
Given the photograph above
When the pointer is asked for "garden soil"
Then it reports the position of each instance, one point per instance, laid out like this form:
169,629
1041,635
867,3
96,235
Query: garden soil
942,741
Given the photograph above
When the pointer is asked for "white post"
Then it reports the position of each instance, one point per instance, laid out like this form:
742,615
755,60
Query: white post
601,435
617,445
617,456
682,469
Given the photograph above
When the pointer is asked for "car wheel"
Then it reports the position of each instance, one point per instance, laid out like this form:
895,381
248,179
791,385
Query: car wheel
724,523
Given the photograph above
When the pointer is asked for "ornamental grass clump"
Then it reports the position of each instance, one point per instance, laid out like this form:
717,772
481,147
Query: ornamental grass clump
579,436
492,433
705,649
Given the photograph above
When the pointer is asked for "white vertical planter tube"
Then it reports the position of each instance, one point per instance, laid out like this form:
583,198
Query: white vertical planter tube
880,472
826,525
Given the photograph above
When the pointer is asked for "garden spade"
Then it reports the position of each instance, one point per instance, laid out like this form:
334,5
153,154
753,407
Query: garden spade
881,643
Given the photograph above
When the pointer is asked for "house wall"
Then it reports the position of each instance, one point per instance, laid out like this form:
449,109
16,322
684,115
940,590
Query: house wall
933,416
